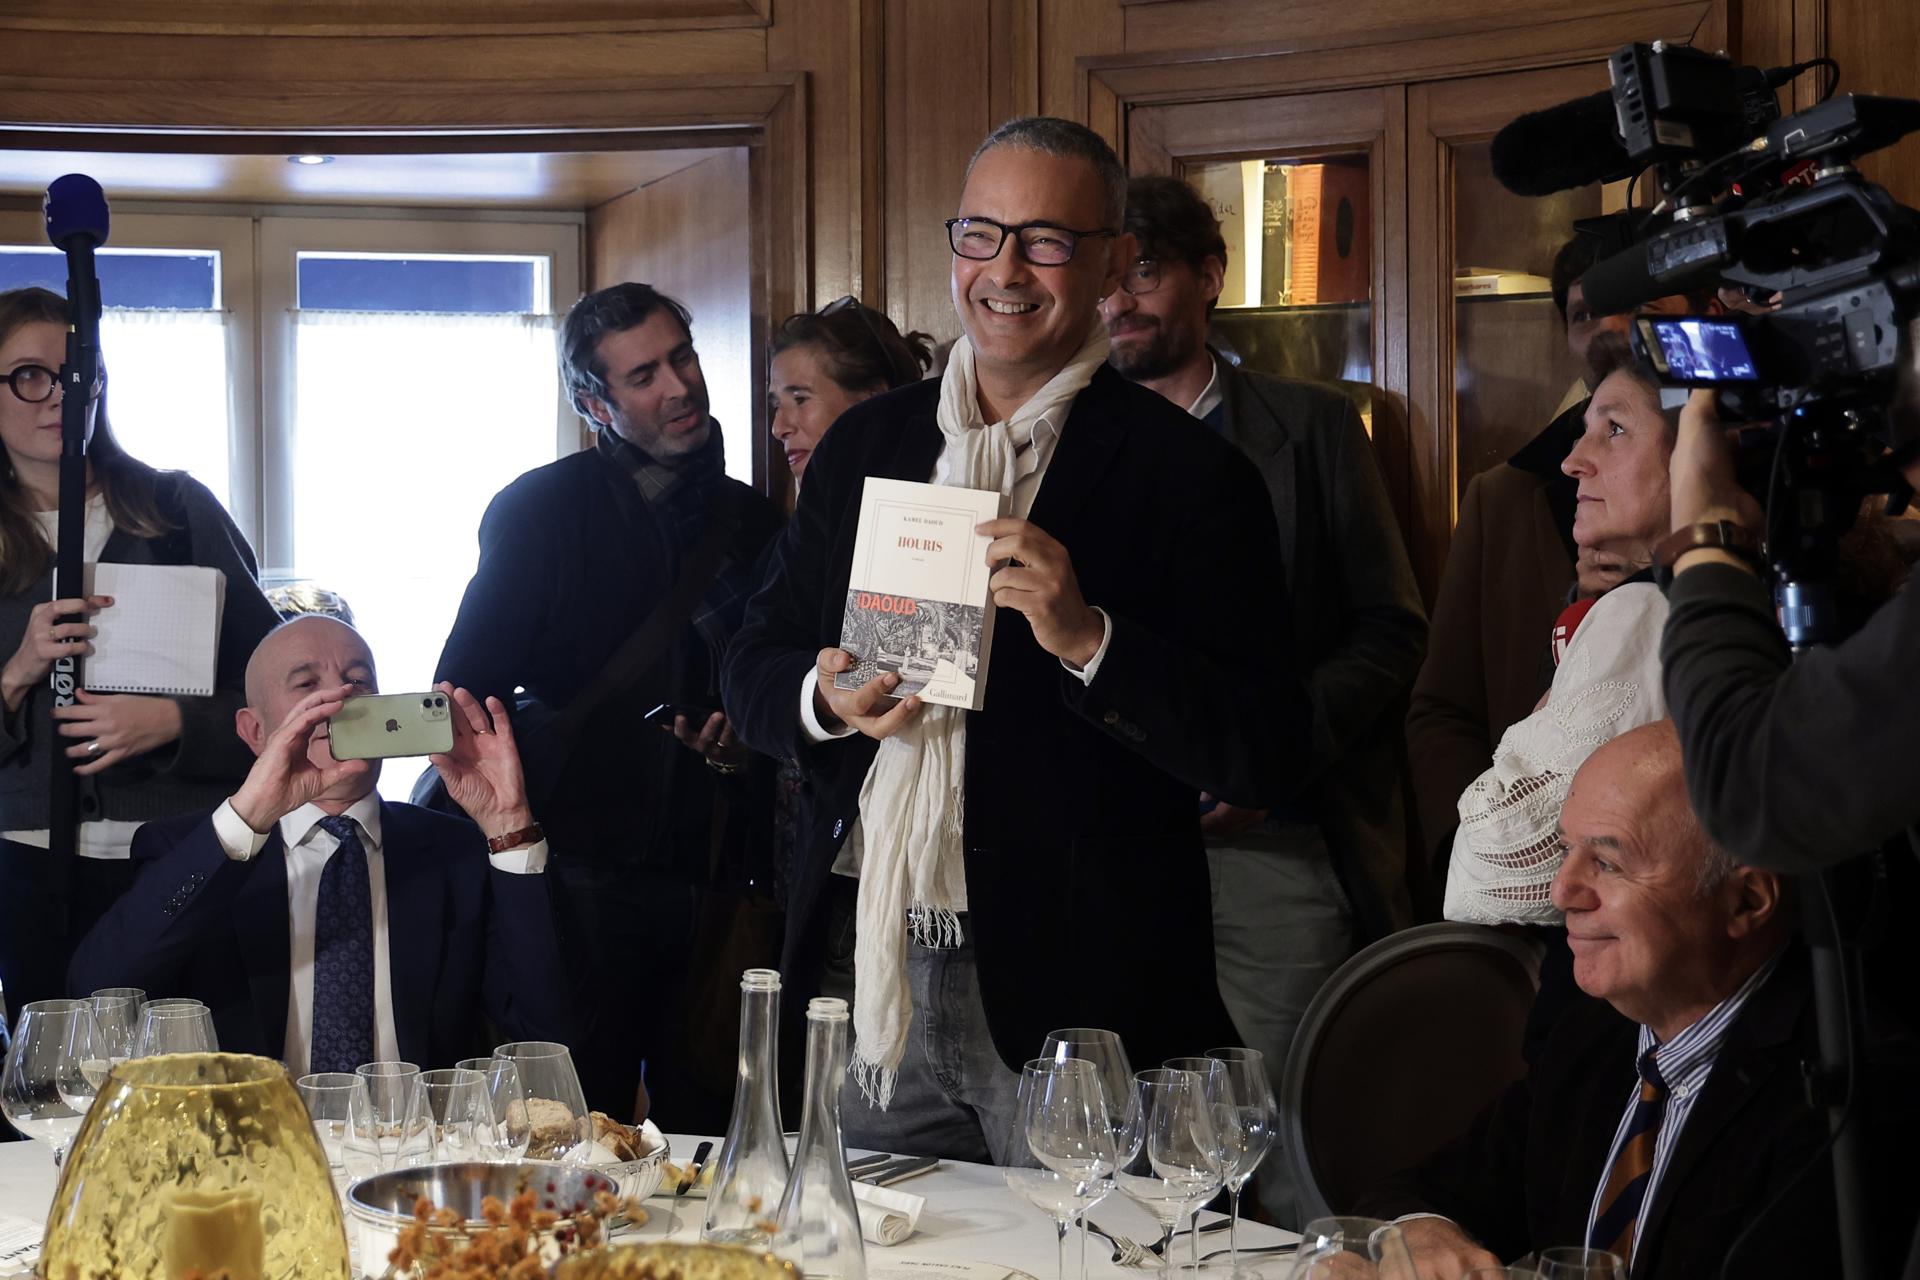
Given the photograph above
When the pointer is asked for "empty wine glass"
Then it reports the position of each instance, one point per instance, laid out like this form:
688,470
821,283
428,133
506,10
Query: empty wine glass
30,1076
503,1092
553,1115
1363,1248
455,1102
116,1015
1571,1262
1170,1158
84,1060
1218,1088
1060,1156
175,1026
1103,1049
329,1098
1250,1135
386,1124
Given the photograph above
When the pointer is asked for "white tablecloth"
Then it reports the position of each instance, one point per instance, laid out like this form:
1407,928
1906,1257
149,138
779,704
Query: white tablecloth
970,1216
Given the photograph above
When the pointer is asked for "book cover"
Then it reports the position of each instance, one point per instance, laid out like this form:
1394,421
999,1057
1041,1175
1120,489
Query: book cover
917,602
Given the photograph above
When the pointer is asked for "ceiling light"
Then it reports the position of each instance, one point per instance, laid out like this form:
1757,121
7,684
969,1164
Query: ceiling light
310,158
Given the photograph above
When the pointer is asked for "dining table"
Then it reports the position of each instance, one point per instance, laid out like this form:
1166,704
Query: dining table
973,1227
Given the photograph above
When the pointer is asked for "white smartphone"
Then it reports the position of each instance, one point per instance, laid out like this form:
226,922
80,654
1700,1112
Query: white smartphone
380,726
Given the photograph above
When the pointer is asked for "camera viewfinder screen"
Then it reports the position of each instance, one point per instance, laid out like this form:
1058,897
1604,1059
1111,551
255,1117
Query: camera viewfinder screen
1705,351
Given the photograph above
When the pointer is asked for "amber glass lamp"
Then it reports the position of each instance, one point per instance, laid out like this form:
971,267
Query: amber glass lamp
196,1163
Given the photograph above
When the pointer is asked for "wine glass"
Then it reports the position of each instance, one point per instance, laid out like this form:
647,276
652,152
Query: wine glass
1103,1049
503,1092
84,1060
1571,1262
116,1017
1501,1273
386,1124
329,1098
553,1115
1170,1158
455,1102
175,1026
1218,1088
1060,1155
1251,1133
30,1076
1336,1248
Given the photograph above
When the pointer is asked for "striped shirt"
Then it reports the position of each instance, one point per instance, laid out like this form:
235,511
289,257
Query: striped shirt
1684,1063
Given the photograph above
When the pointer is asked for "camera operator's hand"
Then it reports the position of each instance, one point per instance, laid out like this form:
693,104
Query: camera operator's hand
1702,480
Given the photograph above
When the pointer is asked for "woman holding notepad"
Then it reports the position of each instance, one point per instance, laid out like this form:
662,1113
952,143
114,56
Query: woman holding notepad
138,756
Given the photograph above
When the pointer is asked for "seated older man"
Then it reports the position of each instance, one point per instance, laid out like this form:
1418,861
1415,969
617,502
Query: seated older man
325,926
1667,1119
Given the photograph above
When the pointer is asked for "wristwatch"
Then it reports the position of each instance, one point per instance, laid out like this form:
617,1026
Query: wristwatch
517,839
1716,535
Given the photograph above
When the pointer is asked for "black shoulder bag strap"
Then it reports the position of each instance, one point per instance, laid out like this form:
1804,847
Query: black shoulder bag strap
652,638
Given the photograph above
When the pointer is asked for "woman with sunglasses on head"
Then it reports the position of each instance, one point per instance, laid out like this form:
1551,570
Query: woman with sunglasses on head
137,757
826,361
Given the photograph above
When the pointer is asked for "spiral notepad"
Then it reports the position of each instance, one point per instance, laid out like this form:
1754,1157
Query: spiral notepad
162,634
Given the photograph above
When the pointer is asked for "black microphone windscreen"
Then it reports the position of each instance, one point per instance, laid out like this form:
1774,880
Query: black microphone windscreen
1621,283
76,206
1561,147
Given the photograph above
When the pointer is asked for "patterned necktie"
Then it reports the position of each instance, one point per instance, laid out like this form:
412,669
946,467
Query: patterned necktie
343,955
1626,1185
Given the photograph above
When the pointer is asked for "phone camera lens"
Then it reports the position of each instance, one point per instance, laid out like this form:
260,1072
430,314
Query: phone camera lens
426,702
439,702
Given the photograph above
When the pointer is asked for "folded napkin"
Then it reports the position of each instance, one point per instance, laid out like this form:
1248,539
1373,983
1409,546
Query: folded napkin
887,1216
19,1244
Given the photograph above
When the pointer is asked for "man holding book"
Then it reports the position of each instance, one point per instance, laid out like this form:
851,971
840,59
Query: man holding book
978,878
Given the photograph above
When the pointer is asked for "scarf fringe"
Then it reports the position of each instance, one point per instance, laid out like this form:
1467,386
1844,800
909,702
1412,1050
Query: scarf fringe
933,926
875,1081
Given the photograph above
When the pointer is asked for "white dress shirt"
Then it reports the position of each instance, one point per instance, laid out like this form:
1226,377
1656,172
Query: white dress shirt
1210,395
1030,469
308,846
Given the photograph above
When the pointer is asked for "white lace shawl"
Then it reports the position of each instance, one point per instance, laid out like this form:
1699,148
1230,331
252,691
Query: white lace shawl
1504,853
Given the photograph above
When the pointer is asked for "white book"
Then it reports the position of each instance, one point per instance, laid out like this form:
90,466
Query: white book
162,634
917,600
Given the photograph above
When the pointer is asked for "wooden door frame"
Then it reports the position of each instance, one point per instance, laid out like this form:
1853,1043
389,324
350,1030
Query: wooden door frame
1110,87
1166,137
764,112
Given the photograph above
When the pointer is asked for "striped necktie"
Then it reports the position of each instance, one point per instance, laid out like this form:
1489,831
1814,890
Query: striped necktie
343,955
1626,1185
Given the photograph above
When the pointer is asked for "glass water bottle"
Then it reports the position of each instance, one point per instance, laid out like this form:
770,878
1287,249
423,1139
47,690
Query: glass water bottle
753,1171
819,1223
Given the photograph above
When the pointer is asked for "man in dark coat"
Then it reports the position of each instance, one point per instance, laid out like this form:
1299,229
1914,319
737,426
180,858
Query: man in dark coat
576,557
1131,669
1295,889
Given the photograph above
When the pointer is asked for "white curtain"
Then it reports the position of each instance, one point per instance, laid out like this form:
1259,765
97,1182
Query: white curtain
406,424
169,390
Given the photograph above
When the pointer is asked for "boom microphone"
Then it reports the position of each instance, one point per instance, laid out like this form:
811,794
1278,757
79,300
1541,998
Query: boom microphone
1558,148
76,206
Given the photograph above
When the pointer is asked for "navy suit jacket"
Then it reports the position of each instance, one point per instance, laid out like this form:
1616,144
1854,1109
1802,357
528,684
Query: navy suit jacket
462,937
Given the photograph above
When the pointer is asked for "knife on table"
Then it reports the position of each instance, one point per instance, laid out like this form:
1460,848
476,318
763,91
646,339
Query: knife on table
700,1154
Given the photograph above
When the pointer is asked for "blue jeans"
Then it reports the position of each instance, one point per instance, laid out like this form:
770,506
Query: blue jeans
954,1097
1281,926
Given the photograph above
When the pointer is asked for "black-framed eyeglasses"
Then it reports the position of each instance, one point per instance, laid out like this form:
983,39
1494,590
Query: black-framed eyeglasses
850,303
34,383
1041,243
1142,277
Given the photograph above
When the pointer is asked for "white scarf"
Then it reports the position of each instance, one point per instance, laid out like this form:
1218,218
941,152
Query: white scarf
912,805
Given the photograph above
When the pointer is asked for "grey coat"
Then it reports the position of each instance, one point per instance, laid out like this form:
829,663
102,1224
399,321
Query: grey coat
204,765
1359,630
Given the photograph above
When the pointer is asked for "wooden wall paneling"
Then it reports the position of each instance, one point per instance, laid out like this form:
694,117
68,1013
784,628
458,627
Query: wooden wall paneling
689,235
1142,75
1761,32
1070,32
937,111
39,59
1230,24
1013,50
828,41
1877,43
782,275
415,18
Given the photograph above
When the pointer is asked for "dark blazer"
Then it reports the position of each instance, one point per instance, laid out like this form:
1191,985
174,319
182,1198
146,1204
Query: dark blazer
1086,880
1506,580
463,939
1523,1177
1359,630
572,562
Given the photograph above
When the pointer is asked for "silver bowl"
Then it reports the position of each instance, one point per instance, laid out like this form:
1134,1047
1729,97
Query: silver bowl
381,1207
639,1178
